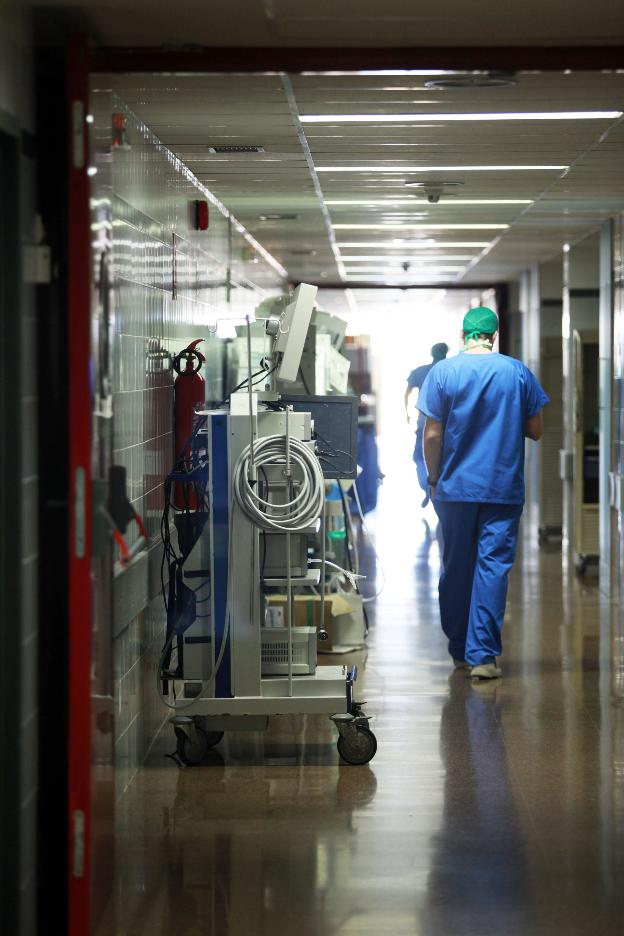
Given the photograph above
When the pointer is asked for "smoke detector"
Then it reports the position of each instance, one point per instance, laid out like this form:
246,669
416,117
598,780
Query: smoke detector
483,79
432,189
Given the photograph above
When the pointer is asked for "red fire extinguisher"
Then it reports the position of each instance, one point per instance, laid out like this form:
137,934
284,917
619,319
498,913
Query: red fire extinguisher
189,393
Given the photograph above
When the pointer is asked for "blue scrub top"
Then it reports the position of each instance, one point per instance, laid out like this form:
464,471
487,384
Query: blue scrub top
416,379
483,402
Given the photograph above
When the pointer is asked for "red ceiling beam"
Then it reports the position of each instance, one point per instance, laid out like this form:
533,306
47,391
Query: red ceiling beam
292,59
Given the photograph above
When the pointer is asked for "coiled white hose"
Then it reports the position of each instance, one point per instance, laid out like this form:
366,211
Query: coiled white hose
307,504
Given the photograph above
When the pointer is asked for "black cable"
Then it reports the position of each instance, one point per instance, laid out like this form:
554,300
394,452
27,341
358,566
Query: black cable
334,451
187,464
343,498
265,373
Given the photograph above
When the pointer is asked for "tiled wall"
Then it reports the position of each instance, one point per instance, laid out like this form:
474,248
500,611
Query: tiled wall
618,393
170,285
17,118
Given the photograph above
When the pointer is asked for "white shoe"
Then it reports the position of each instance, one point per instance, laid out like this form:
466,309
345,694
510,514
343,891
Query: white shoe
486,671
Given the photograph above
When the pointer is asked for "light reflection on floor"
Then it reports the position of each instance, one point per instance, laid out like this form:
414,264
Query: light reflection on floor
497,809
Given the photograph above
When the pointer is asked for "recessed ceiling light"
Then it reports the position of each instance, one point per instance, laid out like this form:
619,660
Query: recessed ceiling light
380,71
390,278
277,217
369,258
420,227
412,268
391,202
412,244
460,118
405,169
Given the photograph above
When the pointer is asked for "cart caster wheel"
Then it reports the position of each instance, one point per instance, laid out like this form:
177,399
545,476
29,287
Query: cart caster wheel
581,565
193,752
358,747
542,536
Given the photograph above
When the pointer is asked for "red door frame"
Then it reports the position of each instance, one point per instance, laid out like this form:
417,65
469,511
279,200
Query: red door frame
79,413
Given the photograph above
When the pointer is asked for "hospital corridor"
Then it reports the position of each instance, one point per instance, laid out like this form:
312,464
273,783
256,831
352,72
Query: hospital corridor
311,468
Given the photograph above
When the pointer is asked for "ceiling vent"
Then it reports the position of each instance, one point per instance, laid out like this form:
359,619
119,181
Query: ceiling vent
493,79
235,149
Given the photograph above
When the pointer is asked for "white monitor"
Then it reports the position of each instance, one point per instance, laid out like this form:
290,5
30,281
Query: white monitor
294,324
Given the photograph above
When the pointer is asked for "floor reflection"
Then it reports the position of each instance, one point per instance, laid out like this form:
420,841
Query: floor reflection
491,809
478,870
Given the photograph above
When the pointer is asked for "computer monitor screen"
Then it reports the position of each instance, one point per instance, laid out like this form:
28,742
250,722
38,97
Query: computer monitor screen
335,429
294,324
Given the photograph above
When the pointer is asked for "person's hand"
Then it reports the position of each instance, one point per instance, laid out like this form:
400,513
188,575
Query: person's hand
432,491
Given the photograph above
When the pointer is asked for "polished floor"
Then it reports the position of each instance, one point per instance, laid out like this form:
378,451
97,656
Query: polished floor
492,809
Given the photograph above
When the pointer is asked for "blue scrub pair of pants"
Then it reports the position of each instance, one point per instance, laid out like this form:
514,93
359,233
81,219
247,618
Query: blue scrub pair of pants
479,550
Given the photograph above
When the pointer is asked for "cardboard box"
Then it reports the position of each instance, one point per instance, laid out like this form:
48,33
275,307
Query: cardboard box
344,619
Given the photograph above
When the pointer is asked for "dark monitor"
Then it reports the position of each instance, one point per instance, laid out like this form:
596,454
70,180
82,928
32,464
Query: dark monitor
335,430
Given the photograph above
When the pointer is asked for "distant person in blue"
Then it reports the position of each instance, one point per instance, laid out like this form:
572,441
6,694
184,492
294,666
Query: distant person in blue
479,407
414,382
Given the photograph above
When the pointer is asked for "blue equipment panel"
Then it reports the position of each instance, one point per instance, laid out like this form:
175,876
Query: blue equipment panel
220,522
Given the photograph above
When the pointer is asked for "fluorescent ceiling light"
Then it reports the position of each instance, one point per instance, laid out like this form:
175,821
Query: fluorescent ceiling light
379,268
417,169
457,118
391,278
402,258
404,244
415,200
382,71
419,227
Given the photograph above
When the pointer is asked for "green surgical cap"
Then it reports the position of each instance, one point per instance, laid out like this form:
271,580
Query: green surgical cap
480,321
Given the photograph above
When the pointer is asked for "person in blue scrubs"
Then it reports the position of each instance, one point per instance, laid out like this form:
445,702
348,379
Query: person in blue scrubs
479,407
414,382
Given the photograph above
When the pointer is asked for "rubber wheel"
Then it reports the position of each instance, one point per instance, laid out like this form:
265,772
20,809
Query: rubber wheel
194,752
581,566
359,748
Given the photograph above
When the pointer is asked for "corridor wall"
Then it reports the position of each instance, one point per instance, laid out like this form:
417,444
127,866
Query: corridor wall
617,542
550,306
168,284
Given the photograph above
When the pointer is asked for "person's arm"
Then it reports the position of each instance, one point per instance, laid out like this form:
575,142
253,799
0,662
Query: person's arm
534,427
432,445
408,390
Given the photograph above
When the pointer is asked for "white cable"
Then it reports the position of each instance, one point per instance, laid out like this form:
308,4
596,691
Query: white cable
351,576
306,506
